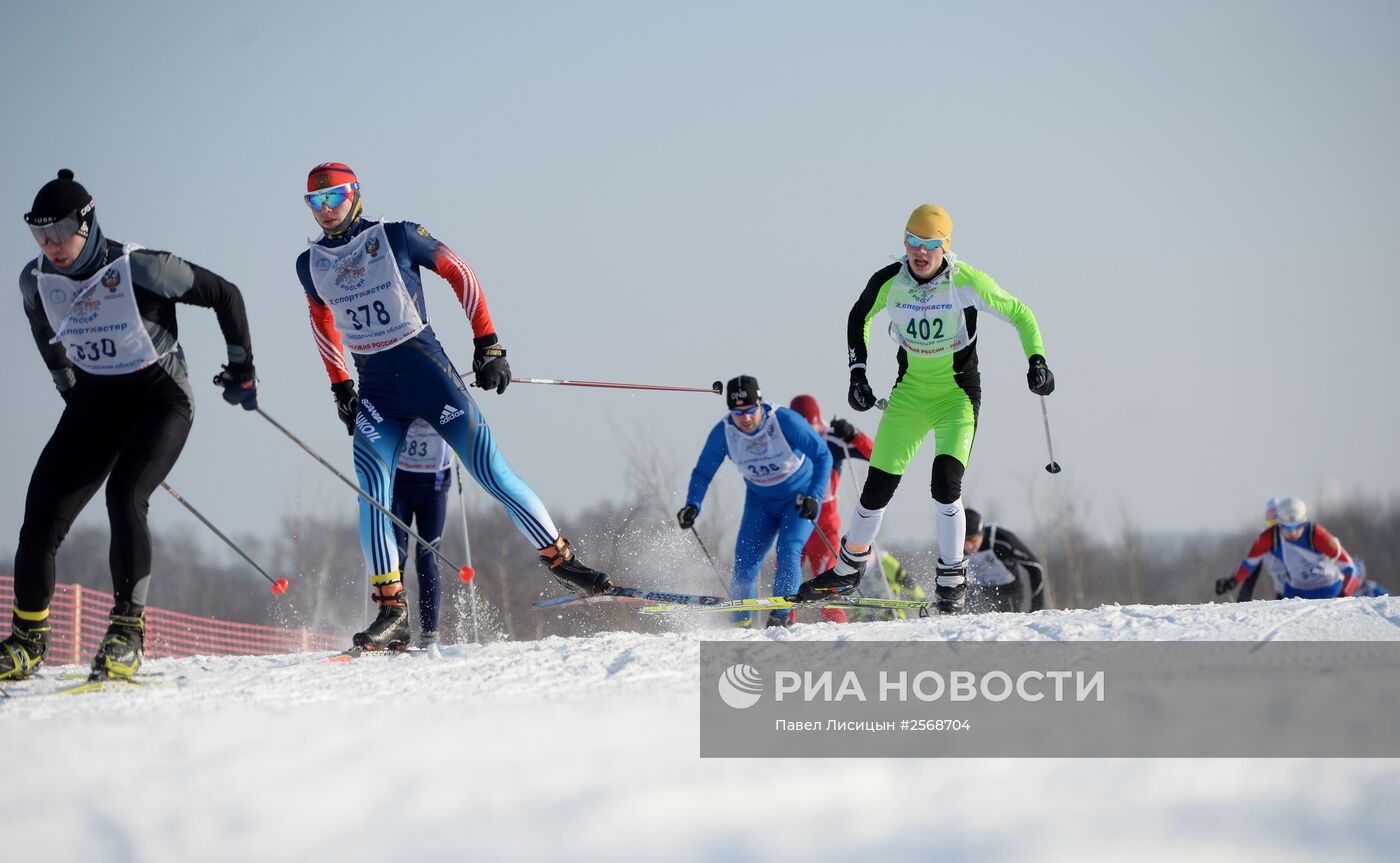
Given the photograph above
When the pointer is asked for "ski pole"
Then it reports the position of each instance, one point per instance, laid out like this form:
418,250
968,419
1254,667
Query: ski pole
279,585
715,387
1053,466
713,565
851,471
467,550
466,573
835,555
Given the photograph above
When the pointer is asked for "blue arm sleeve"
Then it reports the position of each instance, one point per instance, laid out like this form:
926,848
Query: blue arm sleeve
711,457
421,246
800,436
304,276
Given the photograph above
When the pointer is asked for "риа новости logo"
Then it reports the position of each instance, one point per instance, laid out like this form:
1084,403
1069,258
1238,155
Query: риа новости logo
740,686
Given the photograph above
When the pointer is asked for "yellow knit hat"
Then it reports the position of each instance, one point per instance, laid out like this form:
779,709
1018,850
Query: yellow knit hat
930,221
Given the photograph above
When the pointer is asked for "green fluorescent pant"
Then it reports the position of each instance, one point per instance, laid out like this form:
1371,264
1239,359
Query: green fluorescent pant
916,408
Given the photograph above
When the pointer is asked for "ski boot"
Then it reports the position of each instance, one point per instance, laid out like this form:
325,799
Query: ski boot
836,582
23,651
950,587
428,639
121,650
828,585
563,564
389,631
781,618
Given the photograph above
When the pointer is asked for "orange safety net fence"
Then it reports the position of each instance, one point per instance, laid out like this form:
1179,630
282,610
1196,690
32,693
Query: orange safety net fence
78,617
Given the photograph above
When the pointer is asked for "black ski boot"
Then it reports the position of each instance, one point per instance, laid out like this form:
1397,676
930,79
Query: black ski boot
950,587
834,582
23,651
781,618
563,564
389,631
828,585
121,650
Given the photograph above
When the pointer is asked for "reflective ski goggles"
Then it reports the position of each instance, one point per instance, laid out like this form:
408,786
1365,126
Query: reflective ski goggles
56,233
920,243
1291,527
744,412
329,199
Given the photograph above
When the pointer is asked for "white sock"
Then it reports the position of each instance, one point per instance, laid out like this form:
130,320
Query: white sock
952,530
865,526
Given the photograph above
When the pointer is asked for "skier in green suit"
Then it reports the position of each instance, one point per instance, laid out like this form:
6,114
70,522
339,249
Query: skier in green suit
934,302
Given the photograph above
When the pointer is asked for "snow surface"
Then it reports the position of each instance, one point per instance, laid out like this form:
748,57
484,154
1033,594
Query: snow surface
586,749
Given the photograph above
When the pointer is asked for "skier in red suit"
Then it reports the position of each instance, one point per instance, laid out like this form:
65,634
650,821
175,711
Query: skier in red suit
843,439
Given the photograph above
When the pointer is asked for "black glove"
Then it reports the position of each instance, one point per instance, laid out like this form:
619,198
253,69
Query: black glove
1041,381
861,397
686,517
843,430
1224,586
492,370
240,384
347,404
808,506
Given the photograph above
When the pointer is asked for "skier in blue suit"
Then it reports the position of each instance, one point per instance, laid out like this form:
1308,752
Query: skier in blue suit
786,468
364,289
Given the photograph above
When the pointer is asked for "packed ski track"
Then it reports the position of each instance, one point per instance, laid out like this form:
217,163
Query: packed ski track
587,749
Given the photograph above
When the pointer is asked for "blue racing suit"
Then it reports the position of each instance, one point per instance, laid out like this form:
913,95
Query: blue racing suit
371,299
420,500
781,460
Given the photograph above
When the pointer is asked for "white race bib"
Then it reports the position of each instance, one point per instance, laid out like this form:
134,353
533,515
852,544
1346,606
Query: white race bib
424,451
986,569
1304,569
926,320
362,284
764,457
97,320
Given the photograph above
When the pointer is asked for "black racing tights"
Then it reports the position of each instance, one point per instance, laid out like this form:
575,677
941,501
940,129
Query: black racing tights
127,431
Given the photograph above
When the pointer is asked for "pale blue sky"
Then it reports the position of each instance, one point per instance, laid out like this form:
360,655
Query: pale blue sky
1196,199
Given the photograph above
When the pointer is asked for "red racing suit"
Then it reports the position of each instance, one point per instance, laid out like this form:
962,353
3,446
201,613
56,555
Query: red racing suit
815,553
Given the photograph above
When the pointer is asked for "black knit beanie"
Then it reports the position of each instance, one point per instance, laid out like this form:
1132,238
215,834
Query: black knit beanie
60,198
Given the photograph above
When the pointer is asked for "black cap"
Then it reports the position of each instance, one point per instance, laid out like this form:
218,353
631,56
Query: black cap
974,521
742,392
59,199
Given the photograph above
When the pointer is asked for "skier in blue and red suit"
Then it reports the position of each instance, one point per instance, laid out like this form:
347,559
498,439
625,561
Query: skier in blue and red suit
843,440
786,468
363,286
